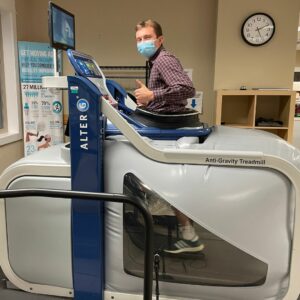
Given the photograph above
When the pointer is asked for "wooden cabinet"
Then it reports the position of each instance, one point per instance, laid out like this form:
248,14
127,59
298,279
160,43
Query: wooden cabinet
270,110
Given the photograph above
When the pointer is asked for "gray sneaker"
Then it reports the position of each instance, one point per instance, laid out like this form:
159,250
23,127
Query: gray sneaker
183,245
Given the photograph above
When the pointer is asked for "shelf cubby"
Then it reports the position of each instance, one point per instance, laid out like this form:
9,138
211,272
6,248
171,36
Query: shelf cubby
242,108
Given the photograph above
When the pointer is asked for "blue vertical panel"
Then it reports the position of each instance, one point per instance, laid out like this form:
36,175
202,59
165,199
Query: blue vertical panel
86,171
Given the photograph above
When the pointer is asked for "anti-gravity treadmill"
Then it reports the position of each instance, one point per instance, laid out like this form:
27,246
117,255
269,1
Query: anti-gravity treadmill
240,188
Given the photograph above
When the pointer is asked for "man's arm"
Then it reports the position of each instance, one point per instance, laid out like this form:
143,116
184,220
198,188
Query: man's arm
178,84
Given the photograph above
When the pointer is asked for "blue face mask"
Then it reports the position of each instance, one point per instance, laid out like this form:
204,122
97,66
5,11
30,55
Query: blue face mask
147,48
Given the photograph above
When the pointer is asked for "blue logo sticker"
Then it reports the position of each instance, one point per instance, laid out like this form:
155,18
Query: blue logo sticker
82,105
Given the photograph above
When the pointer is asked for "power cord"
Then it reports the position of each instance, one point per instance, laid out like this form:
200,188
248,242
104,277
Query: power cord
156,271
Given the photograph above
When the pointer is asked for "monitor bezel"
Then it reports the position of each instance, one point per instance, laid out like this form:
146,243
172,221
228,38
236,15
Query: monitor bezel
53,43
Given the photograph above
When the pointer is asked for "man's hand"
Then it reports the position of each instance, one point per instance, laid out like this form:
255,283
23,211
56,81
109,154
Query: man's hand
142,94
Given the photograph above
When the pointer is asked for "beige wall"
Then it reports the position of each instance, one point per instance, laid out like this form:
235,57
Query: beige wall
270,65
105,29
298,59
10,153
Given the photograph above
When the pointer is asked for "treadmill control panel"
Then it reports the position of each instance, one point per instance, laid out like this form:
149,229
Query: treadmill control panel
84,65
87,67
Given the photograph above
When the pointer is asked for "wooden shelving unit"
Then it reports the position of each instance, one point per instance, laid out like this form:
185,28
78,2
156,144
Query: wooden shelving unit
242,108
296,133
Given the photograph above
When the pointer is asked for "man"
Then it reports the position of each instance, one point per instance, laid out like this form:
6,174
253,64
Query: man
167,92
169,86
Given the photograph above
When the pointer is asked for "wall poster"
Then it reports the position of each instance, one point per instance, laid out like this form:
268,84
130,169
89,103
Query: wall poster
42,107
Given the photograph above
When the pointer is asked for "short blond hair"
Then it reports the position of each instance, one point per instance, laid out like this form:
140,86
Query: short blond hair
150,23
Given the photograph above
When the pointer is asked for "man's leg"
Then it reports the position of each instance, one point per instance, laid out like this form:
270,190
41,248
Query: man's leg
189,240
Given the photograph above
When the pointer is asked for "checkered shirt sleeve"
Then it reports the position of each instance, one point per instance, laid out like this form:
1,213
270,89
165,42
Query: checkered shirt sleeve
170,84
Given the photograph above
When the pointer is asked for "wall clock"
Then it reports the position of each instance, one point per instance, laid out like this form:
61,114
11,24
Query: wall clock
258,29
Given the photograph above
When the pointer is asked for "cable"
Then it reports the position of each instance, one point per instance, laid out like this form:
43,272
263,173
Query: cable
156,271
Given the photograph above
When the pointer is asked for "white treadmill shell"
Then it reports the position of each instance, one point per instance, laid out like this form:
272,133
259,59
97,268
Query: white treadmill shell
251,205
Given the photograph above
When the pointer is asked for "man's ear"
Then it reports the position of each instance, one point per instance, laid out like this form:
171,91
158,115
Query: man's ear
161,39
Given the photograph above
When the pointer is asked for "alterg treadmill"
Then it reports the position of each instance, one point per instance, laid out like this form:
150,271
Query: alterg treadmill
240,188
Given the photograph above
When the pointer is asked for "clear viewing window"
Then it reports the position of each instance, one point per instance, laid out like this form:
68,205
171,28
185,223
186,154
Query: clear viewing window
219,264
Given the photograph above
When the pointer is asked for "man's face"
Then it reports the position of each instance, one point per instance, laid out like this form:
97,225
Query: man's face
147,34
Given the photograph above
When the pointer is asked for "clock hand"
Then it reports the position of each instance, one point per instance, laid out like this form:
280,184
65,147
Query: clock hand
258,30
263,27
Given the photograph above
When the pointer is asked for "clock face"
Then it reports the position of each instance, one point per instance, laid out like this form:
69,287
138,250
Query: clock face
258,29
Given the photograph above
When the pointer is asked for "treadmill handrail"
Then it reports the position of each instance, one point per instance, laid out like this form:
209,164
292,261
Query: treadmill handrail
117,198
189,156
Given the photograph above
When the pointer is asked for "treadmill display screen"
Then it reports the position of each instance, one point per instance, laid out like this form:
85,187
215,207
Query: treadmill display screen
87,67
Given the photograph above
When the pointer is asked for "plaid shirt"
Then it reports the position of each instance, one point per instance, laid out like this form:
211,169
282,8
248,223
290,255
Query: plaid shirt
170,84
